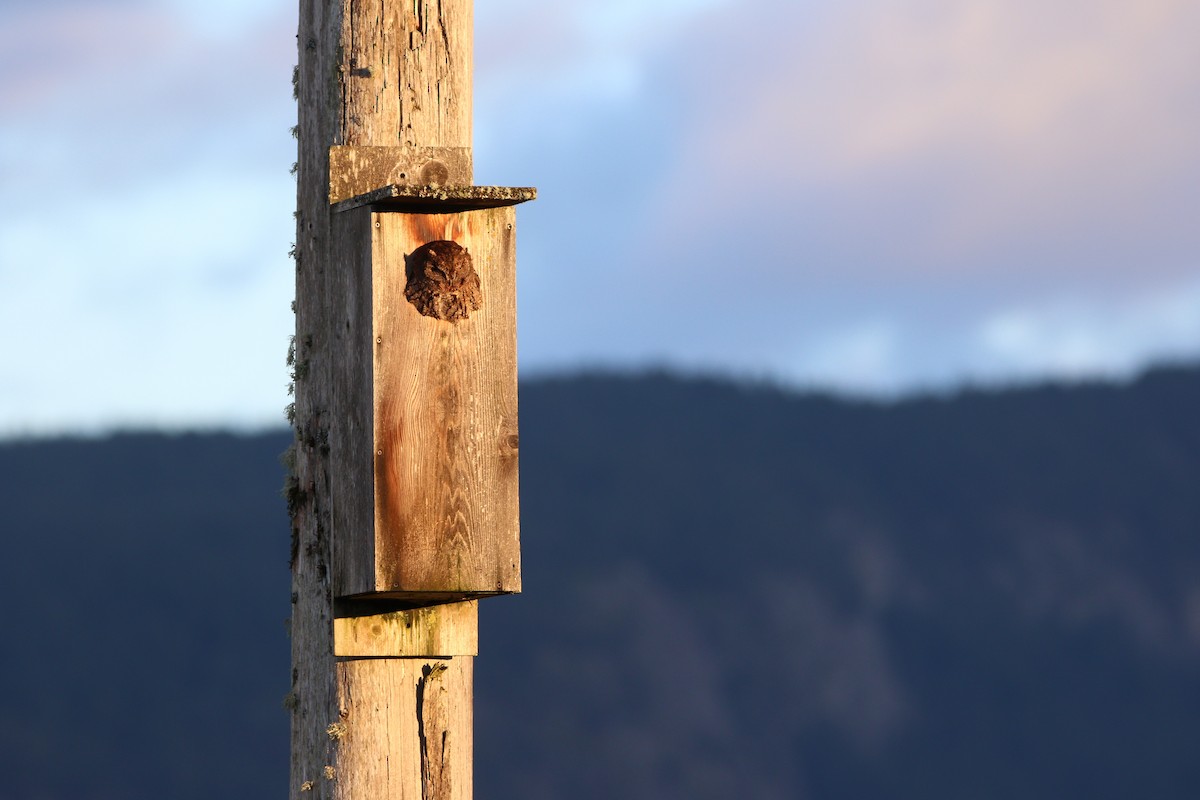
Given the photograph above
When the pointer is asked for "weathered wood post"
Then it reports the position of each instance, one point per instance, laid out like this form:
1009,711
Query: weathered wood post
403,492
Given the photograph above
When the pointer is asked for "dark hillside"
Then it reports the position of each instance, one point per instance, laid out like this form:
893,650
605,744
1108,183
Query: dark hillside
730,592
147,586
989,596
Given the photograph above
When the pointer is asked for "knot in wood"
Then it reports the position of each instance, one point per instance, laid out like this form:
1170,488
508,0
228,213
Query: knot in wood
442,281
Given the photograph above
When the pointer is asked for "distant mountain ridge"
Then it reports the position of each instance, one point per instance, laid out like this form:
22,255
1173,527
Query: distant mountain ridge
731,591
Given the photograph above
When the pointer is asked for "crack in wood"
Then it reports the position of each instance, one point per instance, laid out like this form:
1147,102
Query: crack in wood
431,720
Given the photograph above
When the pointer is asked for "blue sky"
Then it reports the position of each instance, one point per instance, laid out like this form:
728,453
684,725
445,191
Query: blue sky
872,195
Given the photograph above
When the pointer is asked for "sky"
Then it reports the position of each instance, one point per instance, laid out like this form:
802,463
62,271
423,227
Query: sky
871,196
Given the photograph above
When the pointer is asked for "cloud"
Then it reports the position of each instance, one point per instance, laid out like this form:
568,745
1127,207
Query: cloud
53,49
865,358
137,312
957,131
146,217
920,167
876,194
1079,339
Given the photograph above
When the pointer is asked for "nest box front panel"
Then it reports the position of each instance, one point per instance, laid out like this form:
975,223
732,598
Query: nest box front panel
445,402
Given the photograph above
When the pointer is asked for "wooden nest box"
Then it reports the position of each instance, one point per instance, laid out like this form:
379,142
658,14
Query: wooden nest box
424,438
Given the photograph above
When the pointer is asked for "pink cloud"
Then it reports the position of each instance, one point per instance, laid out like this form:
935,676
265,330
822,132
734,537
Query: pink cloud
62,52
978,123
57,48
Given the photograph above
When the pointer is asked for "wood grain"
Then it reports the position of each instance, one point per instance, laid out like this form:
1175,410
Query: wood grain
404,729
448,629
358,170
445,424
407,73
312,696
349,299
394,78
425,453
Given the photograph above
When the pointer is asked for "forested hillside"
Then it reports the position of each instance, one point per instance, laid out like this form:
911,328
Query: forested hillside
730,591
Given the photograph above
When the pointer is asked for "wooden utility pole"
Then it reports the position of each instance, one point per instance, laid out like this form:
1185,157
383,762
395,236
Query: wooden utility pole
403,492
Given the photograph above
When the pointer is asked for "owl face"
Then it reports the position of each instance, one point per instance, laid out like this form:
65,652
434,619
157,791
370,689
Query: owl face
442,281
